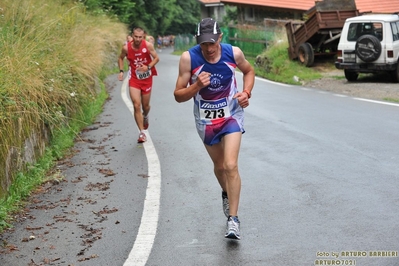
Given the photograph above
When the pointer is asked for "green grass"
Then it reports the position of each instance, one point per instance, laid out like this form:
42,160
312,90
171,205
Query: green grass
42,171
53,55
280,68
391,100
339,77
63,139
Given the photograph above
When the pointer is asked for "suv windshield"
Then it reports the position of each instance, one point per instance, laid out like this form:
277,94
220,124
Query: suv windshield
362,28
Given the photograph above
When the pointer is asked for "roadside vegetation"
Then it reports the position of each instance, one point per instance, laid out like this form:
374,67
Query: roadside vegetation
274,64
164,17
394,100
53,59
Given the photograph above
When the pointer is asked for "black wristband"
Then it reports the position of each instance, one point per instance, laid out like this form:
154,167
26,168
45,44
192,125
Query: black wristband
121,71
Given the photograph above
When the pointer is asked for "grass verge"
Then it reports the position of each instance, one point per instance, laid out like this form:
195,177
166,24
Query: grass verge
50,54
63,139
391,100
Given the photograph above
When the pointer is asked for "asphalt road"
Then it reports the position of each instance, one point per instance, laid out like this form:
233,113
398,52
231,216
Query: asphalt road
319,186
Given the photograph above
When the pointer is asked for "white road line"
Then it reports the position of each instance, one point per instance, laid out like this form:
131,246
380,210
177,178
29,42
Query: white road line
266,80
324,92
355,98
340,95
269,81
141,250
379,102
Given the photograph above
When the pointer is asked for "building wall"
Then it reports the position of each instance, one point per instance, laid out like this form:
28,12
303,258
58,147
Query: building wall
256,15
216,12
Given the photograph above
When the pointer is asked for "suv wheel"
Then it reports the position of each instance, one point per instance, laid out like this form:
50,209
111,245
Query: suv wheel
306,54
395,74
368,48
350,75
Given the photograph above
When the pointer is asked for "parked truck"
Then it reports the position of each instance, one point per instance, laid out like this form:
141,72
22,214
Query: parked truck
319,34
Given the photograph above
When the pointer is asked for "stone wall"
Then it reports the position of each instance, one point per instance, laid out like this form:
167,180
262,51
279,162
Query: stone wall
19,156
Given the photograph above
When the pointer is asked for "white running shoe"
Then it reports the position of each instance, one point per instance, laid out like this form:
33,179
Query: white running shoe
233,228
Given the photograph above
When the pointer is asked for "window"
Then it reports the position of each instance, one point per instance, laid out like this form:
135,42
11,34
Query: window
249,14
358,29
395,30
353,32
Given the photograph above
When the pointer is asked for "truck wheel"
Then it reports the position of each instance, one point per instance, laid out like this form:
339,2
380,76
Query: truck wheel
395,74
350,75
305,54
368,48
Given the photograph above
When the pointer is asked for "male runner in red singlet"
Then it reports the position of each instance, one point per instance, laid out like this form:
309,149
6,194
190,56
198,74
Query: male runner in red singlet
142,59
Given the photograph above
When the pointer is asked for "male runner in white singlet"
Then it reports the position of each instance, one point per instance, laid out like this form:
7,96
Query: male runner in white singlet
207,75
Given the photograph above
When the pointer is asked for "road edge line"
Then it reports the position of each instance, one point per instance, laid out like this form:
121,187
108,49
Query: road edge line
149,220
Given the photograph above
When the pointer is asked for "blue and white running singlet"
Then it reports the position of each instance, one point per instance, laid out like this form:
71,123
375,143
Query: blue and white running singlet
216,112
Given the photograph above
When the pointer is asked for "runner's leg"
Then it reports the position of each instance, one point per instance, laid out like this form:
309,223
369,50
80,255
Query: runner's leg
135,95
225,158
145,99
216,153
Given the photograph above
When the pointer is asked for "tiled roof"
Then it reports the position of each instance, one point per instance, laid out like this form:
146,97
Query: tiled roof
385,6
210,1
287,4
382,6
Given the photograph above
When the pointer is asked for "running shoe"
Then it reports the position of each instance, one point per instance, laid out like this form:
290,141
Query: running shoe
233,228
226,206
142,138
145,122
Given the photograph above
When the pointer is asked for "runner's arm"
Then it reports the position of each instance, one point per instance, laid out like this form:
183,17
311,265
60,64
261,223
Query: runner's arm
248,77
246,68
183,91
154,54
120,61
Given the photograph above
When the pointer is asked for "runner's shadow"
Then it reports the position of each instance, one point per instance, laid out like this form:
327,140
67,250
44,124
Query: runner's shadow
232,245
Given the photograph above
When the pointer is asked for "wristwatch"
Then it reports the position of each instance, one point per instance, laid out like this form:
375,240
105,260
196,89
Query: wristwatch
148,67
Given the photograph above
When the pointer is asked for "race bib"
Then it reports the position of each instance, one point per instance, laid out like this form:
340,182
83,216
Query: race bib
143,75
210,110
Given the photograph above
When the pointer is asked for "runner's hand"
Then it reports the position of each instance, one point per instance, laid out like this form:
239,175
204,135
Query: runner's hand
120,76
242,99
204,79
143,68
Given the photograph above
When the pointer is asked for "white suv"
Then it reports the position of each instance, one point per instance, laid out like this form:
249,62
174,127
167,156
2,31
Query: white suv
369,44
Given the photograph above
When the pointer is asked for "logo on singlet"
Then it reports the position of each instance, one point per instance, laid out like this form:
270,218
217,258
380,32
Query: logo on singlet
138,62
216,82
213,110
213,104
